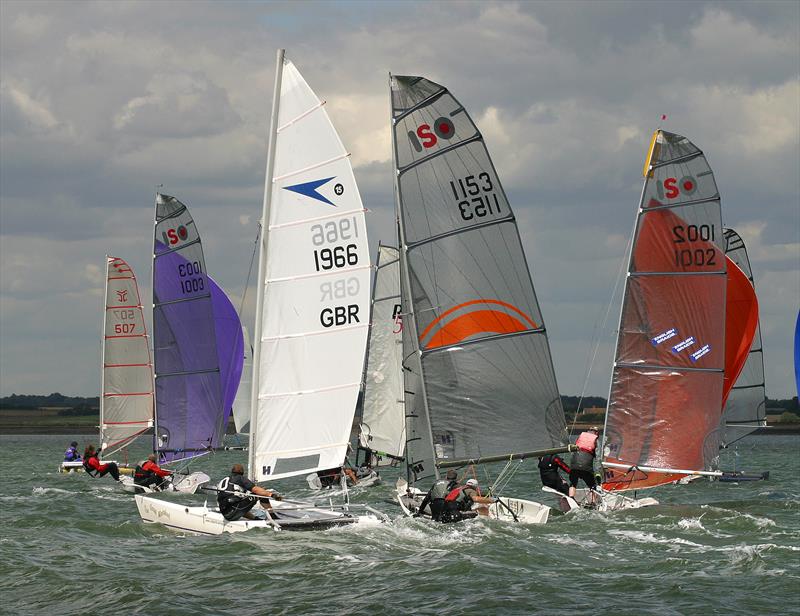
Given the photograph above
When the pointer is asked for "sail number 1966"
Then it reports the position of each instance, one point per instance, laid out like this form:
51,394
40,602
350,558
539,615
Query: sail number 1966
334,232
475,196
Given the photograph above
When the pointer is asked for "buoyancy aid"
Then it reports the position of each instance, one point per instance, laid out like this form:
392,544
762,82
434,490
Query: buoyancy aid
587,441
90,469
71,455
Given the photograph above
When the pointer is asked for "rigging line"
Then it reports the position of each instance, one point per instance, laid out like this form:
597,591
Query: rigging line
249,271
598,333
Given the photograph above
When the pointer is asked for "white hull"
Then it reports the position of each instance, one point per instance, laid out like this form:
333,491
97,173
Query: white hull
507,510
188,484
605,501
372,479
209,521
71,467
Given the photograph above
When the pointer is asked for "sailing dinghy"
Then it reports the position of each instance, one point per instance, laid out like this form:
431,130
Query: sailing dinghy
126,389
199,348
311,317
687,323
479,384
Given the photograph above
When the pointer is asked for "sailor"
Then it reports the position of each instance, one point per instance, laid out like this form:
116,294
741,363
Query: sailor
436,495
93,466
463,500
332,476
148,473
71,454
582,462
548,470
234,498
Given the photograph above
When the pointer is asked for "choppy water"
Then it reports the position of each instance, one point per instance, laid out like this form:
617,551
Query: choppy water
72,544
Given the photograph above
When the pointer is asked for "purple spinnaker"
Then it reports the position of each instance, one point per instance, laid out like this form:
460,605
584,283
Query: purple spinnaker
230,347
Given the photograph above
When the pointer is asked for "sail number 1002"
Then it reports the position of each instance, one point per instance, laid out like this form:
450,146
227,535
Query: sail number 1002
687,234
475,196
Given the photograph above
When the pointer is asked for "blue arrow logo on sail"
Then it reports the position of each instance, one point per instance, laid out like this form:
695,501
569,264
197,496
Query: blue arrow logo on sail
309,189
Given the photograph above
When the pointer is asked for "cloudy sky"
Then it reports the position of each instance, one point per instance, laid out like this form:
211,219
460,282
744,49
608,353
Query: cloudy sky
102,102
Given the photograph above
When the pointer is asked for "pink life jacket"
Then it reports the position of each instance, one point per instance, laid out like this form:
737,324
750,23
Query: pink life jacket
587,442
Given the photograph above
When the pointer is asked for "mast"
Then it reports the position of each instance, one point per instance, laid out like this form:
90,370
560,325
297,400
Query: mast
103,355
152,314
408,308
262,254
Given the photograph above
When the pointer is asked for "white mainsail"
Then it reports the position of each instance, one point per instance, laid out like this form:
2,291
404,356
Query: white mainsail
313,293
383,423
241,404
126,400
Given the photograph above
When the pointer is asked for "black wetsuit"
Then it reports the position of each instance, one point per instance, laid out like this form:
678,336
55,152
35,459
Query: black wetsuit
233,503
582,467
435,497
548,470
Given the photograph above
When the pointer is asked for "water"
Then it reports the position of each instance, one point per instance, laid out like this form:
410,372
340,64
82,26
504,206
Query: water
73,544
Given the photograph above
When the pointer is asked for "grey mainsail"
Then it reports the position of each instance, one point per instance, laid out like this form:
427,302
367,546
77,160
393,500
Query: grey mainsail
745,410
479,378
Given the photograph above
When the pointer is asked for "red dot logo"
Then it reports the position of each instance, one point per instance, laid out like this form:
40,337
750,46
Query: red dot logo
182,232
688,185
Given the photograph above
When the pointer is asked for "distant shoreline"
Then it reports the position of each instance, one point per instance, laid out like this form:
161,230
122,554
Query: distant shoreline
771,430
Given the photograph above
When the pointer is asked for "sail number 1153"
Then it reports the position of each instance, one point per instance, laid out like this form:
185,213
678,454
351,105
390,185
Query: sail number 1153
475,196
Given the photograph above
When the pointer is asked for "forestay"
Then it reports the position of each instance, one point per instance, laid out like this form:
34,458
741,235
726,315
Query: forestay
126,403
315,309
189,393
745,410
674,352
383,421
479,378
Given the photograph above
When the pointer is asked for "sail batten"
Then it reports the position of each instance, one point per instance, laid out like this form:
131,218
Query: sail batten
745,408
382,425
313,291
126,401
479,379
197,340
678,342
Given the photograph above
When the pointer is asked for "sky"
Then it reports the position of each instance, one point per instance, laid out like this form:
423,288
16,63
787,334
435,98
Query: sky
101,103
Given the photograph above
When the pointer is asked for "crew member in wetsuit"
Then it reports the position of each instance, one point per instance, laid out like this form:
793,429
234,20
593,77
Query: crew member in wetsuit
71,454
548,471
436,495
234,498
93,466
459,502
148,473
332,476
582,462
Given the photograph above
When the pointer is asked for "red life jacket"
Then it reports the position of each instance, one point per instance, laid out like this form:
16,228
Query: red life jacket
456,494
587,442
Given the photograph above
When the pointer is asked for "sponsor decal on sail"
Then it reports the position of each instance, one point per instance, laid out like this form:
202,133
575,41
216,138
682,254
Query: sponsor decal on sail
310,189
663,337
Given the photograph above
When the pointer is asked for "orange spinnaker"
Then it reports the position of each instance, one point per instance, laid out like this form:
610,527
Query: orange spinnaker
741,321
479,321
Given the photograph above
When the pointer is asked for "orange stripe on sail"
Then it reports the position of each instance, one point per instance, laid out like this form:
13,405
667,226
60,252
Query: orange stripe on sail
477,322
472,302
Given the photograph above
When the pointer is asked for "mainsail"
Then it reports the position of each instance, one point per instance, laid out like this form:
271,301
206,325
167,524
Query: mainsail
479,378
313,298
126,401
685,328
241,405
190,394
745,410
383,422
230,348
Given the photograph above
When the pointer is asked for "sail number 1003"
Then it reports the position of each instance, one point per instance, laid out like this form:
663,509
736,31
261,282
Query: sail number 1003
475,196
687,234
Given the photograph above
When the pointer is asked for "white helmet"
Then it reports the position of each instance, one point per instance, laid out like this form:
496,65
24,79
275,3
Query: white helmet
473,483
